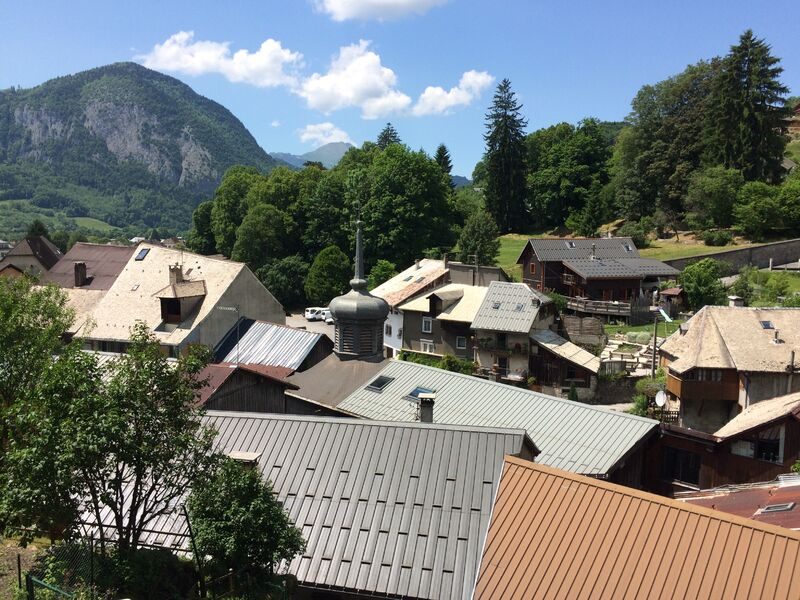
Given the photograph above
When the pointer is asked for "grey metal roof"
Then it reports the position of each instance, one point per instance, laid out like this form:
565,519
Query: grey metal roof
576,437
269,344
386,509
548,249
509,307
649,266
620,268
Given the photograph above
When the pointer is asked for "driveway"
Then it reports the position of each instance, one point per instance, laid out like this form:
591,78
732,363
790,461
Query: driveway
299,321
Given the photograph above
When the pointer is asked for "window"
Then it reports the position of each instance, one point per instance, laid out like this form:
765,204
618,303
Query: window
570,244
769,444
427,325
420,279
142,253
680,465
461,342
627,247
387,329
427,346
380,382
419,390
400,333
409,278
784,507
533,268
767,325
495,305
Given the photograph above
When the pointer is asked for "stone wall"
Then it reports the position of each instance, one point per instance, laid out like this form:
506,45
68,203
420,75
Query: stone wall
758,256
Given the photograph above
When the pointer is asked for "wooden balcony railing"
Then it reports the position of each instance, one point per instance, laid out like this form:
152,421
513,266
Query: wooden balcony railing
599,307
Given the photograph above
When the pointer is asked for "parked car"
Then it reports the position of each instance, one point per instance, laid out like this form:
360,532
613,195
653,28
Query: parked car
327,316
313,313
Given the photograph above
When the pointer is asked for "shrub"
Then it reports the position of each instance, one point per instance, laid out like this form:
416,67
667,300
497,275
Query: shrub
639,405
717,238
643,337
631,336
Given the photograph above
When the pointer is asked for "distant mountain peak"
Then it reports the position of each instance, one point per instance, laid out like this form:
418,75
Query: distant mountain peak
328,154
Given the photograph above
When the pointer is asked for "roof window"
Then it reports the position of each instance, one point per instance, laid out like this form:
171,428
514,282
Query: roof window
409,278
419,390
773,508
420,279
627,247
518,307
767,325
142,253
570,244
495,305
379,383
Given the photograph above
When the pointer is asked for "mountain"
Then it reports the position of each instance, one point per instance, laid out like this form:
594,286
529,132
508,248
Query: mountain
460,181
119,143
329,155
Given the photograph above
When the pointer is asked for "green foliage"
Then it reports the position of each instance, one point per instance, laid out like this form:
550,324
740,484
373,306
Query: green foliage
701,282
758,209
777,286
382,271
717,238
229,207
559,301
573,392
468,200
201,237
505,161
442,158
640,405
712,195
328,276
284,278
387,136
479,240
650,386
448,362
263,236
37,228
238,522
638,231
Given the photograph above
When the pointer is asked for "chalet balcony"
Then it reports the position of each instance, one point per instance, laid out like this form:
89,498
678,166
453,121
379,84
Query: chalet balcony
691,390
503,348
568,279
599,307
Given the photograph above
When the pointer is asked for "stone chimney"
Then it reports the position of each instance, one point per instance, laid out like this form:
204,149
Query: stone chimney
735,301
81,278
426,401
175,274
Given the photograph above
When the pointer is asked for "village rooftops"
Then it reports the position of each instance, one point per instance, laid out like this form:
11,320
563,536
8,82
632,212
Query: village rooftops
460,302
559,249
760,414
102,265
558,535
392,510
414,279
36,247
741,338
511,307
570,435
620,268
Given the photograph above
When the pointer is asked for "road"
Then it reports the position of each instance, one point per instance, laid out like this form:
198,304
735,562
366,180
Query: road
299,321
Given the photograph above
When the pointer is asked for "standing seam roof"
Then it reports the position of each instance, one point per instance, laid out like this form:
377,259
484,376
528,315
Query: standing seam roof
549,249
556,535
266,343
570,435
509,307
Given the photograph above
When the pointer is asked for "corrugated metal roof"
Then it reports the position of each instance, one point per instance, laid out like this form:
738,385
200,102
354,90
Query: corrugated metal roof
548,249
567,350
557,535
577,437
509,307
385,508
264,343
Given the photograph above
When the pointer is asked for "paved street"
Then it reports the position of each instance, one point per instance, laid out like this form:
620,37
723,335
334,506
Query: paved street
299,321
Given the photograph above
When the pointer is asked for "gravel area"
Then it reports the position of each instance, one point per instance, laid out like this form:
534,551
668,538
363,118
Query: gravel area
299,321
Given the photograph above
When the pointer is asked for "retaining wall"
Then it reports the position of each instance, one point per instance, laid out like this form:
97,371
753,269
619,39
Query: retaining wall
780,252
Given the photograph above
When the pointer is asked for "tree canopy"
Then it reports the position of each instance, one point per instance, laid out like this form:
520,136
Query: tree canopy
328,276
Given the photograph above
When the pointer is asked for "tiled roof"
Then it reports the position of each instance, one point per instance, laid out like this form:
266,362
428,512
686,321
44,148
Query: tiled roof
42,249
736,337
620,268
557,535
103,264
511,307
549,249
413,280
570,435
761,413
386,509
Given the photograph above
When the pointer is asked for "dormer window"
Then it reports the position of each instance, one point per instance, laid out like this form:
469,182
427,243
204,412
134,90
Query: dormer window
171,310
627,247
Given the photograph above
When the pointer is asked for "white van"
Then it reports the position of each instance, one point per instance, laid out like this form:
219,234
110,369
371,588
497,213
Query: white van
313,313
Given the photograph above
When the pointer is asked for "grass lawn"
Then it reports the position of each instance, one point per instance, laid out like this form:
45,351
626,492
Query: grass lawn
794,282
669,249
511,245
94,224
793,150
671,328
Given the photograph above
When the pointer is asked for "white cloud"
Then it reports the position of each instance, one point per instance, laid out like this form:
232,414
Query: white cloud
323,133
437,101
275,123
381,10
271,65
356,77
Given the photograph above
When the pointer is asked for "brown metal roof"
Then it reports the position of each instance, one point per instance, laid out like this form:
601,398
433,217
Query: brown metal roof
218,373
103,264
558,535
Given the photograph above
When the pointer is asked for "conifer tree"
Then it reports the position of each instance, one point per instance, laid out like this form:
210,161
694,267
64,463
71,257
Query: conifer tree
747,111
442,158
505,160
388,136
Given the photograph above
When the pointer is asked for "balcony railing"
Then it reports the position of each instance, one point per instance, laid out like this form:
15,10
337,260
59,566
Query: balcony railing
688,389
599,307
508,347
568,279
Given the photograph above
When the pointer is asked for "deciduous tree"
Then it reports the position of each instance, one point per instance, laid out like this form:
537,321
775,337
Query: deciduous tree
328,276
479,240
701,282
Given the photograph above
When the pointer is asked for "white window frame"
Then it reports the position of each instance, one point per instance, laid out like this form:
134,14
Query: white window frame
427,325
427,346
460,346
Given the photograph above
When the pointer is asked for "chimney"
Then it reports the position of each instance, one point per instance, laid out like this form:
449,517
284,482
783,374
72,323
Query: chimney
594,248
735,301
426,407
175,274
80,274
444,259
416,263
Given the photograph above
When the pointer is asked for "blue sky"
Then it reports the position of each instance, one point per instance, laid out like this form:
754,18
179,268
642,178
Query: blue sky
340,69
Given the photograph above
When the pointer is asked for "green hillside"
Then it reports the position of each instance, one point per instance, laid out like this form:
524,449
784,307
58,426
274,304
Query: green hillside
122,144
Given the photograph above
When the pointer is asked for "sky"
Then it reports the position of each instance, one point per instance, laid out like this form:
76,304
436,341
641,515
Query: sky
300,73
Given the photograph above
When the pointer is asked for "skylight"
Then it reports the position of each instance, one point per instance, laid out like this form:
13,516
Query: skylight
773,508
627,247
496,305
518,308
142,253
767,325
409,278
420,279
379,383
419,390
570,244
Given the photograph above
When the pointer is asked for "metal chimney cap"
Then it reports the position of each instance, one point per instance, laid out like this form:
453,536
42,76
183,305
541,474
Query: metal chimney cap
427,396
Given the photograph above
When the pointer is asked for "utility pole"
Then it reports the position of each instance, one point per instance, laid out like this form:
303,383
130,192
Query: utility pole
655,336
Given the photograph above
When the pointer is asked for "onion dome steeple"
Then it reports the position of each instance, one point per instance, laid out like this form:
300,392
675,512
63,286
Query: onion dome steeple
358,315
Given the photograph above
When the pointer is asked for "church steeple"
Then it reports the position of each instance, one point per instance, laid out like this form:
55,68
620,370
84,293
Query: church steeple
358,315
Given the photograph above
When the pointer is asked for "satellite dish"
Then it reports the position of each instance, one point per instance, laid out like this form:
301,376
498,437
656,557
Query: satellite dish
661,399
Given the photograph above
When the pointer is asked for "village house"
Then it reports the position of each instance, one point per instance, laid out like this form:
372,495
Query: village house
440,322
182,298
759,444
599,276
558,535
726,358
393,510
34,255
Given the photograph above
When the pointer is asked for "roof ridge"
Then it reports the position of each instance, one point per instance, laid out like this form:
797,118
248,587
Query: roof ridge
594,407
654,498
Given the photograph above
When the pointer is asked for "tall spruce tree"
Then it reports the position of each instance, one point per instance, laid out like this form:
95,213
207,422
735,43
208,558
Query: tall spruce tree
505,160
388,136
747,111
